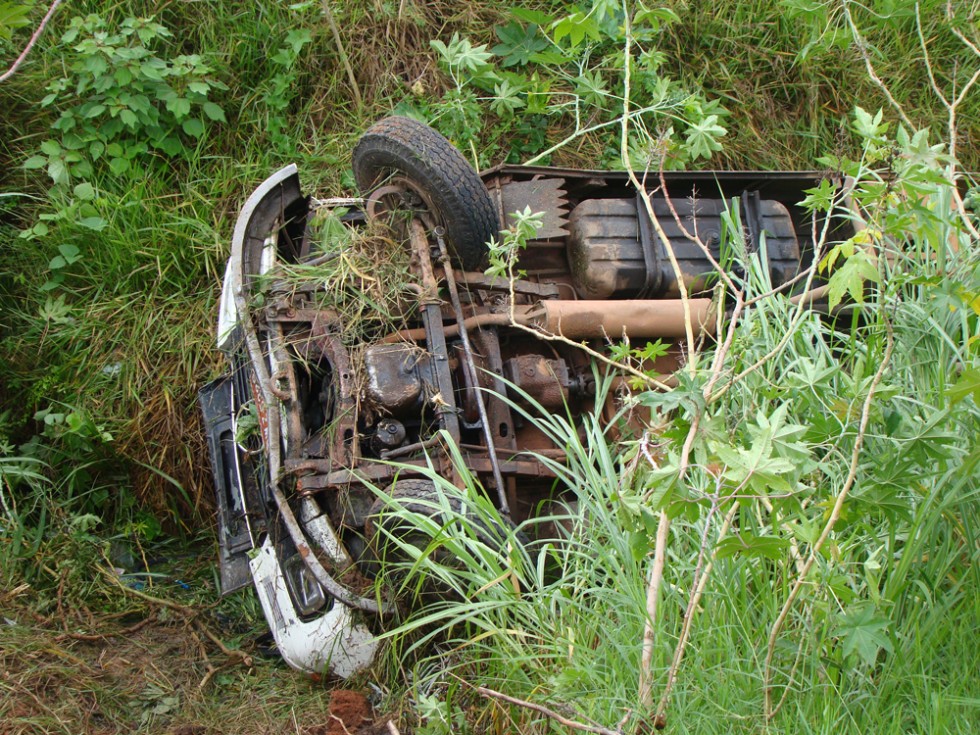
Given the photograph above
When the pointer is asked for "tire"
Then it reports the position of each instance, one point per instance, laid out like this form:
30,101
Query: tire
402,146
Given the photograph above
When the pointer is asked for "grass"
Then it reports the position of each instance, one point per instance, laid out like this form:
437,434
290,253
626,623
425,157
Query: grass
560,624
129,342
571,641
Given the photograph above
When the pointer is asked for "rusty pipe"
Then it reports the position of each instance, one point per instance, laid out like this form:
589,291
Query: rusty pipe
645,318
452,330
611,319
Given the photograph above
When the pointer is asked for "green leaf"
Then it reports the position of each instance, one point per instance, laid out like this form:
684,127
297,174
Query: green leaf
13,15
57,171
36,162
52,283
750,545
655,18
532,16
576,27
118,165
297,39
283,58
518,44
863,632
851,277
70,253
506,100
820,198
461,54
54,310
92,223
85,191
51,148
968,383
591,87
123,76
179,106
867,126
213,111
702,137
193,127
652,350
129,118
170,145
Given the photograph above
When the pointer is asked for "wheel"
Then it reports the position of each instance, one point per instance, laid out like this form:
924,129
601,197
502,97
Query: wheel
399,147
422,497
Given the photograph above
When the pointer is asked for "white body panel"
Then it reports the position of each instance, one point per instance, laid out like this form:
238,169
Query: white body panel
332,643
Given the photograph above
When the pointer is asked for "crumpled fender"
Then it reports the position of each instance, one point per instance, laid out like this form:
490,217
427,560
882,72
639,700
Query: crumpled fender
333,642
227,314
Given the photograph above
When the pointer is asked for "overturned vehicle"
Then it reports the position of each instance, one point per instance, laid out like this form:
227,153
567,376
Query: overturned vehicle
310,420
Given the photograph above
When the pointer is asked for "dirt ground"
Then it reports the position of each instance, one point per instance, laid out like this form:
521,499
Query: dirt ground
171,670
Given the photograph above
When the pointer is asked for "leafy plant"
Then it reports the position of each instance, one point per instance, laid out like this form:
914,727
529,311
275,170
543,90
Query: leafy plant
281,89
119,101
563,70
13,15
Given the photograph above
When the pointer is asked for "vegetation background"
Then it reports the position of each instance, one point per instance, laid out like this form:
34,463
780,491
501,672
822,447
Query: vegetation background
133,132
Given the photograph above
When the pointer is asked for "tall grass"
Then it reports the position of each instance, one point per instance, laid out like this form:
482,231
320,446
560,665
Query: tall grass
822,503
560,621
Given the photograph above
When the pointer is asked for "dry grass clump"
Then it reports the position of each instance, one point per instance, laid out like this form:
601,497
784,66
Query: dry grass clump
388,48
363,275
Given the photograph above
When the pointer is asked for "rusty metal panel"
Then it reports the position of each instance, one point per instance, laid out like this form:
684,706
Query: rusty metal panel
607,258
541,195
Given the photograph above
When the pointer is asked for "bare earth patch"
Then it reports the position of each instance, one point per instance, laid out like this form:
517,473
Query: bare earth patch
159,674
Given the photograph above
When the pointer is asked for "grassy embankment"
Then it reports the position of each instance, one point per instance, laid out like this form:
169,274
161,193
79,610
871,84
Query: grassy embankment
107,306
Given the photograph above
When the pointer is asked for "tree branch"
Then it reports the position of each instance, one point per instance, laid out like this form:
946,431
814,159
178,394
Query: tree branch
30,44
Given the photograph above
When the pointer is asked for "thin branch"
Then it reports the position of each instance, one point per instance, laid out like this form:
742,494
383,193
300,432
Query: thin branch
951,16
549,713
701,580
579,132
653,596
647,203
863,48
950,106
694,237
831,521
328,13
927,60
30,44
